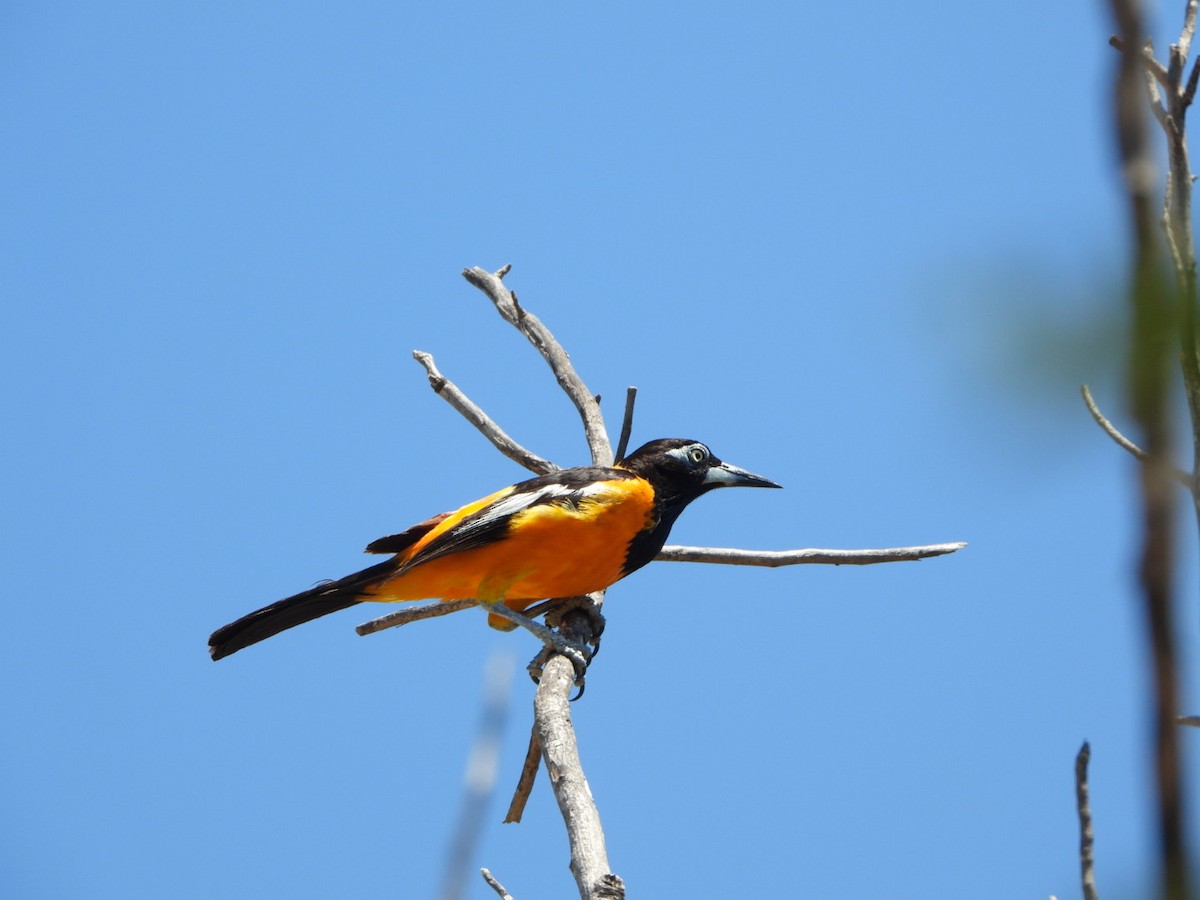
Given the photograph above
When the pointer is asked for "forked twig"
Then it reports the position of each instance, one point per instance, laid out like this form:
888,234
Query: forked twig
539,335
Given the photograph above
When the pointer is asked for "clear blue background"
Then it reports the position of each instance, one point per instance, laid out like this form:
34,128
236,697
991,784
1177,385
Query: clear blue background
867,250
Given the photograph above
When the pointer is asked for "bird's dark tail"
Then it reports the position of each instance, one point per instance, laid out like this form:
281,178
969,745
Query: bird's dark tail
321,600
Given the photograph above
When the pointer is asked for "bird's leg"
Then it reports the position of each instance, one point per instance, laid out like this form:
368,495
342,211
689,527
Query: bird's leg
584,630
578,620
578,653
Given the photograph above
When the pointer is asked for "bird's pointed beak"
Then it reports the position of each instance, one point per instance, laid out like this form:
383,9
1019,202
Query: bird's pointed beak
723,474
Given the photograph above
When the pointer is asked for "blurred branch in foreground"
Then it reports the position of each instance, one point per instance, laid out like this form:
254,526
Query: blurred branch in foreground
1161,316
480,779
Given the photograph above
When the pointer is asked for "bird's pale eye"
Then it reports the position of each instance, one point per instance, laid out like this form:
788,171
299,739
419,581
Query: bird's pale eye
697,454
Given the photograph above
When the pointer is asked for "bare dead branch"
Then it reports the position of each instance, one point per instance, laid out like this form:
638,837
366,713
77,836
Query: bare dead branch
539,335
414,614
729,556
626,422
556,733
772,558
1083,807
450,392
495,885
533,756
1191,721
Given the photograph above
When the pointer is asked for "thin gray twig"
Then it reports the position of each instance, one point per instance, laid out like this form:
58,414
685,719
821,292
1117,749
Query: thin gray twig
495,885
626,422
414,614
1121,441
731,556
452,394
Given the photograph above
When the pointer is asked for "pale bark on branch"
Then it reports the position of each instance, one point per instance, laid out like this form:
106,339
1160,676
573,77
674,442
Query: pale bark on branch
552,716
730,556
495,885
556,735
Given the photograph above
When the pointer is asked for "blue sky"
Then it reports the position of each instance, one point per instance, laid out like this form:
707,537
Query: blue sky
868,251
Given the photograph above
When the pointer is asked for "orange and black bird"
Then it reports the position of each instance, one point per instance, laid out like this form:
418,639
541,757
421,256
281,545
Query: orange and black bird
569,533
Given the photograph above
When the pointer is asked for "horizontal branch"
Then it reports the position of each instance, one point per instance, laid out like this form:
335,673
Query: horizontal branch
729,556
732,556
414,614
452,394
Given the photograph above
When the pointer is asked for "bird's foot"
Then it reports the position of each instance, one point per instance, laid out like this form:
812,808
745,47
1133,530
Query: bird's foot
578,621
578,652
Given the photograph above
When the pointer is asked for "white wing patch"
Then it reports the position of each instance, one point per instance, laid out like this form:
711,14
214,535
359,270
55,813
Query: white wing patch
514,503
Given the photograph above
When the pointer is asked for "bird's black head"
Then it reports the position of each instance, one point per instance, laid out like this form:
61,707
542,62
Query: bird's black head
679,471
683,469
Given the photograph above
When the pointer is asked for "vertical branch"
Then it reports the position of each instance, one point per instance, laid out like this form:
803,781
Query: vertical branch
1149,388
555,732
1177,223
1083,807
626,422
